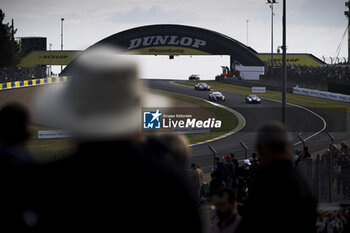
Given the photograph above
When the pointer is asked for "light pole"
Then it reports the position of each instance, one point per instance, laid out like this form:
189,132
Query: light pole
13,50
284,59
62,19
247,30
271,2
50,68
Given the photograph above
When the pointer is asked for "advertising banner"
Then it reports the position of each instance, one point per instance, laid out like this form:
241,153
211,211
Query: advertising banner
321,94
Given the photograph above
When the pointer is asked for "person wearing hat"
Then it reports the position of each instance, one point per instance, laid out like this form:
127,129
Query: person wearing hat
244,173
246,163
321,222
116,180
332,225
280,199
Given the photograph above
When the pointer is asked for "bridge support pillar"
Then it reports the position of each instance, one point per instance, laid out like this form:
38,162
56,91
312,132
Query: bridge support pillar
232,63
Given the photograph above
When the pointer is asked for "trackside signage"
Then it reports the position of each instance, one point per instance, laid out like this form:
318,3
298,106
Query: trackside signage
51,134
167,40
321,94
258,89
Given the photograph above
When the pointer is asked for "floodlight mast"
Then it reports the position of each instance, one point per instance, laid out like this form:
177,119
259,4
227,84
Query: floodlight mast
284,60
347,14
62,19
271,2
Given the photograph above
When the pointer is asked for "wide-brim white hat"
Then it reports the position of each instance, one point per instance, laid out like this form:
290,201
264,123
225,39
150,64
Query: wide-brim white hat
103,97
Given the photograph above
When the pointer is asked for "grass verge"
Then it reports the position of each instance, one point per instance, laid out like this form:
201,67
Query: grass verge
47,150
306,101
229,120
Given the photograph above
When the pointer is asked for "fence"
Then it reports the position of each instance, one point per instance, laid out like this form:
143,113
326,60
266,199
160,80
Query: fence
329,181
328,173
206,161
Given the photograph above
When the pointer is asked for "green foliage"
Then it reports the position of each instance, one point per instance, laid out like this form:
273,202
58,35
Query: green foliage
8,50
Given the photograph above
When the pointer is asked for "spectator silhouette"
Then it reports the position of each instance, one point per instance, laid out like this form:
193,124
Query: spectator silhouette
16,166
215,183
197,180
321,222
306,152
116,180
14,135
231,169
219,171
244,173
225,203
280,200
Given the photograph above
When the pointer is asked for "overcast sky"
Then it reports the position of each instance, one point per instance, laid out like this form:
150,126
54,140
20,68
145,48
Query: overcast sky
314,26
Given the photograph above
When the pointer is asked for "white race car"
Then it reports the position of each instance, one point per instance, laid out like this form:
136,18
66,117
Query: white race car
252,99
216,95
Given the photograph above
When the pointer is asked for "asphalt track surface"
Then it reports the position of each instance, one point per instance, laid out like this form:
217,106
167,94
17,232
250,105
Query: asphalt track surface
311,123
299,120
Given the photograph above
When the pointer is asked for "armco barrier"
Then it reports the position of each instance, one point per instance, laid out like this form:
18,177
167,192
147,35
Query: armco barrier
32,82
321,94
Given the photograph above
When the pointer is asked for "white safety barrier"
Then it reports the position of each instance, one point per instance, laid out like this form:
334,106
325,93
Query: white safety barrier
321,94
50,134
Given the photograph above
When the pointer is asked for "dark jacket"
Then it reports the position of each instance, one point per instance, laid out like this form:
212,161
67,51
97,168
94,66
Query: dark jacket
279,201
11,157
17,166
113,187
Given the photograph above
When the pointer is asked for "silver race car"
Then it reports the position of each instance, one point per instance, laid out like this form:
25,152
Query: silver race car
216,95
202,87
252,99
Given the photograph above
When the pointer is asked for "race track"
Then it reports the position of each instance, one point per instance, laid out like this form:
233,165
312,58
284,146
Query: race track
311,124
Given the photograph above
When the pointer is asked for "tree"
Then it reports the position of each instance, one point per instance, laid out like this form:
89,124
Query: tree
9,48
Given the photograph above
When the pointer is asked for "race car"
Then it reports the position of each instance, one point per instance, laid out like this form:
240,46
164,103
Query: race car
194,77
252,99
202,87
216,95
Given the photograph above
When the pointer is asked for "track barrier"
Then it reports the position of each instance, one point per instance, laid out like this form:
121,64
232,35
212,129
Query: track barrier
32,82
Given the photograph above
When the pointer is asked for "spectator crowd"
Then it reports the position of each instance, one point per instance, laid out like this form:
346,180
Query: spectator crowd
333,221
21,73
249,194
328,72
240,177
